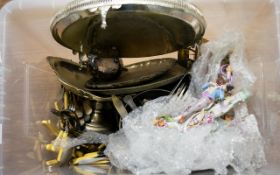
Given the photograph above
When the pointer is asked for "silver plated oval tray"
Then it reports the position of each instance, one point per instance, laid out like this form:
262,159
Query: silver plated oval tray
135,74
73,81
171,76
137,28
74,78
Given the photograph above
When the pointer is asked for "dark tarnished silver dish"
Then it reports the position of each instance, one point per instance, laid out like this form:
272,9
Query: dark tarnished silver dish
169,77
137,28
74,78
135,74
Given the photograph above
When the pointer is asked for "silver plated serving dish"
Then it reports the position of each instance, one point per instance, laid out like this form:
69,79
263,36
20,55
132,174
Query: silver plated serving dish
103,32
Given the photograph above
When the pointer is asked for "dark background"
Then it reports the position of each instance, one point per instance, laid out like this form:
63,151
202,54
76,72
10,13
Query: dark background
3,2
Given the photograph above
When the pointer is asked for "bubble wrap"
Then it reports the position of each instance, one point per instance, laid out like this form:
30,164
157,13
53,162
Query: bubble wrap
144,149
88,137
206,68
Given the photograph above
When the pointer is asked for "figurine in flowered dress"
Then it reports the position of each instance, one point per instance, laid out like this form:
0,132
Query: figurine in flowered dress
212,93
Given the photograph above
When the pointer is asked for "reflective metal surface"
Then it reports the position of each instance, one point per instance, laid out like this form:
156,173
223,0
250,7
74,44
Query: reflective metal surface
136,28
74,78
171,76
135,74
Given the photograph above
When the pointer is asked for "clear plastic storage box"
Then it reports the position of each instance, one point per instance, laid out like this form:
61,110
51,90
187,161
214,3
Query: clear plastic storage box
28,86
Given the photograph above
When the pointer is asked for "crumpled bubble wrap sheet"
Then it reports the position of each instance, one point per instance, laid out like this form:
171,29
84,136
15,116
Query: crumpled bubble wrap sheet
143,148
